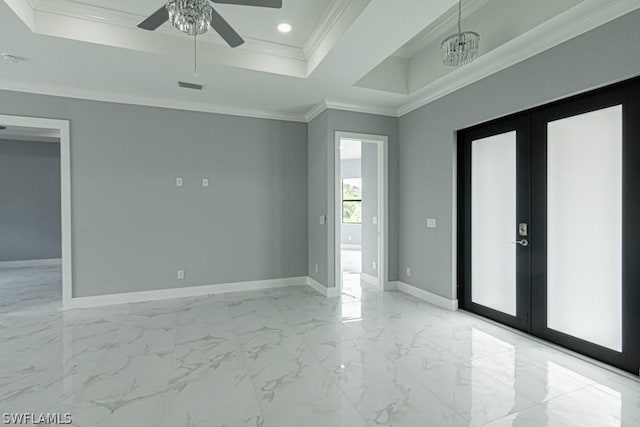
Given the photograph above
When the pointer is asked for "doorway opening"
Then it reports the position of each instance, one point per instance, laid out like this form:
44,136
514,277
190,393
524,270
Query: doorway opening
35,252
361,212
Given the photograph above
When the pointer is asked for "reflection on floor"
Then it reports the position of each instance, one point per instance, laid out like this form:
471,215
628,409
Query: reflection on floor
351,263
288,357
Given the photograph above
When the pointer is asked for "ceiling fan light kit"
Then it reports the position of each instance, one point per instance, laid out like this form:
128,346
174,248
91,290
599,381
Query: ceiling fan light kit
461,48
192,17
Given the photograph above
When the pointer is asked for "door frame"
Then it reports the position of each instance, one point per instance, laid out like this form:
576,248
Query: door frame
382,143
626,95
65,187
629,359
521,124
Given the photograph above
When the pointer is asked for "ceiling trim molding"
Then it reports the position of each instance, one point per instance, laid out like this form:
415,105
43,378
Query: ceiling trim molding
576,21
329,18
107,16
172,104
315,111
438,28
325,104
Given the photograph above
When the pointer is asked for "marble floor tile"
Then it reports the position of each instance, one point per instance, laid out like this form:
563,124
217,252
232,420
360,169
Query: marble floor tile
288,357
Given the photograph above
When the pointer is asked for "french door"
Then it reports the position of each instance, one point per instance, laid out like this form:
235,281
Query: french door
549,223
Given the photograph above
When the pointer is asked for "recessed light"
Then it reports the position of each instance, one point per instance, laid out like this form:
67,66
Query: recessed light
14,59
284,27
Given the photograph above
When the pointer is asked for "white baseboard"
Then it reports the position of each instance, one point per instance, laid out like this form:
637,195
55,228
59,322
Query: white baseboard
191,291
327,292
369,279
427,296
391,286
31,263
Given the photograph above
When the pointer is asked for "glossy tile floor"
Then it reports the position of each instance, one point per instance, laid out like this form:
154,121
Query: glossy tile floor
288,357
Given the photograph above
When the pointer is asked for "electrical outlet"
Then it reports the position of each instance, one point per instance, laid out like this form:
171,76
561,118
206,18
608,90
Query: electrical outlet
323,219
432,223
179,182
316,268
408,271
205,182
375,265
180,274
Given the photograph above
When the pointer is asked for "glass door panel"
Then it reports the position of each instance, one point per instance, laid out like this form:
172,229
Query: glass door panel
493,221
584,226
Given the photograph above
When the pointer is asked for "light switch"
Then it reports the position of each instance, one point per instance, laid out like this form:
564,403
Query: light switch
374,220
432,223
323,219
179,181
205,182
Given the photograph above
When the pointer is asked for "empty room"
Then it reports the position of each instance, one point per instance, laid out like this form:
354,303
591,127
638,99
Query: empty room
324,213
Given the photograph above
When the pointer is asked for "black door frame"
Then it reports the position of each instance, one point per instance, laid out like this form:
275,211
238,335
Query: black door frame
625,93
520,124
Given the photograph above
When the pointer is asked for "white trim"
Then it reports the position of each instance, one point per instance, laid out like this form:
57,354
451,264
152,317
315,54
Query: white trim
578,20
172,104
65,190
382,142
329,19
31,263
437,300
327,292
323,105
191,291
391,286
315,111
372,280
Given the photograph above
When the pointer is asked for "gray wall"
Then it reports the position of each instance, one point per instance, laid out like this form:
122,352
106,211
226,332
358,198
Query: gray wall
369,208
351,233
29,200
427,150
318,188
321,142
133,229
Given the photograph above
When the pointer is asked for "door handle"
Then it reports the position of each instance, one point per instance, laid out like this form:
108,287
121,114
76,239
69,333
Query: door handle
523,242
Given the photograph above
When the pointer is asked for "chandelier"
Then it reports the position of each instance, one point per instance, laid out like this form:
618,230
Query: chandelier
192,17
461,48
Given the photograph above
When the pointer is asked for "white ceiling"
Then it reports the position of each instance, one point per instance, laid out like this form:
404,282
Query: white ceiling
92,49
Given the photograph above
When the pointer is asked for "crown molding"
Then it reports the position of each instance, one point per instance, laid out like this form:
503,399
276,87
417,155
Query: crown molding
103,15
36,13
315,111
437,29
578,20
325,104
330,17
166,103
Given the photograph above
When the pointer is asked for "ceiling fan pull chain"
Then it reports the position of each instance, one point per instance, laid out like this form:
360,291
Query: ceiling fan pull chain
195,55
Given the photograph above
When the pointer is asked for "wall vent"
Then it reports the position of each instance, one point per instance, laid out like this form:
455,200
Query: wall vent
187,85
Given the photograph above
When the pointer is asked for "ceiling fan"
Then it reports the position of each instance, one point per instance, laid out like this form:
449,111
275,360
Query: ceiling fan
194,17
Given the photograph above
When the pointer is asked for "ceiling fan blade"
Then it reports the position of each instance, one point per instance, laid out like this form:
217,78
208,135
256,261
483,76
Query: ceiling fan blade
158,18
277,4
223,28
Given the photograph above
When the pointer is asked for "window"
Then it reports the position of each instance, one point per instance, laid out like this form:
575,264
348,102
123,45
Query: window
352,201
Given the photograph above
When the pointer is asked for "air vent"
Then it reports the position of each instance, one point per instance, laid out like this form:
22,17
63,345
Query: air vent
194,86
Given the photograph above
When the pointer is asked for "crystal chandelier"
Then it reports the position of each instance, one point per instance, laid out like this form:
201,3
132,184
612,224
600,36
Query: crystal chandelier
192,17
461,48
